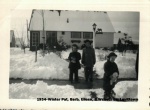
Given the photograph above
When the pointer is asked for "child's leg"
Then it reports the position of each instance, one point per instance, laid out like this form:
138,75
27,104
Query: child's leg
107,94
71,75
113,94
107,89
91,73
76,75
86,73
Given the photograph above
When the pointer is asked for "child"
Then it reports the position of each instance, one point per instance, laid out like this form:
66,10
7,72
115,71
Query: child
74,64
110,76
88,60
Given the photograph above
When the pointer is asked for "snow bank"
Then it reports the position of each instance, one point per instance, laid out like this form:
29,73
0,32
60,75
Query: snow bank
51,66
42,90
65,54
126,89
126,64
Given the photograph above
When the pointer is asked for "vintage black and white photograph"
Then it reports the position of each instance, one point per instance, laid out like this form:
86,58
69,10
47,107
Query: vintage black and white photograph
74,55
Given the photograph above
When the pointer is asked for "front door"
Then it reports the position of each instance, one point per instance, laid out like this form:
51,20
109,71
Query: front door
51,39
34,40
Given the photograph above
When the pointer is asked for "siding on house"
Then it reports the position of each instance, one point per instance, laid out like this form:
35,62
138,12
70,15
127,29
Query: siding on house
104,40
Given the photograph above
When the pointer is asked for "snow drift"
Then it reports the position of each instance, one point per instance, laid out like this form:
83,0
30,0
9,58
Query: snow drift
48,67
125,89
51,66
41,89
126,64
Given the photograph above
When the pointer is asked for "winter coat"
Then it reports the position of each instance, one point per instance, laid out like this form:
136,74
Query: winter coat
109,69
88,57
76,56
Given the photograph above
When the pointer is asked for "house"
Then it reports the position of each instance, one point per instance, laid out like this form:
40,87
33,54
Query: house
117,36
12,38
123,38
73,27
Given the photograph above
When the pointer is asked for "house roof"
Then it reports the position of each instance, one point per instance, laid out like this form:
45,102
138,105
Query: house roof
77,21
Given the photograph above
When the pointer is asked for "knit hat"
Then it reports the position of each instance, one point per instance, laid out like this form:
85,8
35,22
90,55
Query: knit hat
87,41
74,45
112,54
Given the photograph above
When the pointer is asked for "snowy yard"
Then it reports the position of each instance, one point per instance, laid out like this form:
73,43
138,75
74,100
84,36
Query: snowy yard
51,66
126,64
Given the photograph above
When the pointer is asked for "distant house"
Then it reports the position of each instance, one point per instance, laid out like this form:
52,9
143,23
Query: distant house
12,38
117,36
73,27
136,44
120,38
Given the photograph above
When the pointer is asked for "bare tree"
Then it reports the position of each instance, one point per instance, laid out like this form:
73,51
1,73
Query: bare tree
41,12
21,37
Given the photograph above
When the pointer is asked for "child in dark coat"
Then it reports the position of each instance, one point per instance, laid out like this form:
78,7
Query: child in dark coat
110,76
88,60
74,65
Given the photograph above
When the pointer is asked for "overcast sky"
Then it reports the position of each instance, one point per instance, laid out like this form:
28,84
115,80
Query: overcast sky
126,22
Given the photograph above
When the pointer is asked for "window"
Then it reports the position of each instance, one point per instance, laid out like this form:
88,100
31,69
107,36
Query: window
35,38
88,35
75,34
75,41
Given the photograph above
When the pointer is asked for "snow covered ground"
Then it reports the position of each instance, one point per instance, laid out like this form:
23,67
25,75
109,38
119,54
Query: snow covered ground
48,67
51,66
126,64
124,89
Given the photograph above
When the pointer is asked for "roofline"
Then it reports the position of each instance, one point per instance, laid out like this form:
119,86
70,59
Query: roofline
70,10
30,19
68,31
110,21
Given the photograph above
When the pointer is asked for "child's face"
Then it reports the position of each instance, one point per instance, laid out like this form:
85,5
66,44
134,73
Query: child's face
112,58
87,44
74,49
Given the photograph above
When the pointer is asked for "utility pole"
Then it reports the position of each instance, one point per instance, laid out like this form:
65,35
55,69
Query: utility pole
43,32
94,34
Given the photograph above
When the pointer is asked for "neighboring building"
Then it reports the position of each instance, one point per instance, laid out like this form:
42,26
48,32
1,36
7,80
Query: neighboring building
117,36
136,44
12,38
72,26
